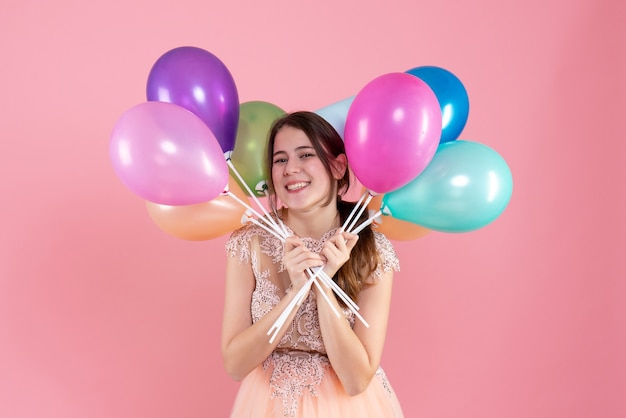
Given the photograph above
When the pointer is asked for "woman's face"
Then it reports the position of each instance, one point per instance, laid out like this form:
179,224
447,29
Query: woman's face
300,178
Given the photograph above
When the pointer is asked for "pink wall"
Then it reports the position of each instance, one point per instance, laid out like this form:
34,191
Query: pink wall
104,315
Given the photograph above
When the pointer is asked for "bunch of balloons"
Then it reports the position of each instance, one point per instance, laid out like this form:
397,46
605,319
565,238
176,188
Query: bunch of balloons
195,154
172,150
401,134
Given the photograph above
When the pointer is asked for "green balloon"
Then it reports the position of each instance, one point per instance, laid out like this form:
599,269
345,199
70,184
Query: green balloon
466,186
248,157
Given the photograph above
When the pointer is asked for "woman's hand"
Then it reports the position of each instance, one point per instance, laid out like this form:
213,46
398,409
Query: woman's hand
297,259
336,251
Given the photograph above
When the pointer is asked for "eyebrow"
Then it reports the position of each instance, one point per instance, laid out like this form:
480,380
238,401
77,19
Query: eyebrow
303,147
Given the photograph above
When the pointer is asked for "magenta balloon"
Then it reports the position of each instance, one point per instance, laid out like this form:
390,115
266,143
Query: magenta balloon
392,131
167,155
198,81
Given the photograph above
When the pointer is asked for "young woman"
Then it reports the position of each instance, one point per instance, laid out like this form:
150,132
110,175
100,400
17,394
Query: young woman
319,365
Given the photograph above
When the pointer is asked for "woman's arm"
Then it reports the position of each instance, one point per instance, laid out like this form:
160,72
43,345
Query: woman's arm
246,345
355,353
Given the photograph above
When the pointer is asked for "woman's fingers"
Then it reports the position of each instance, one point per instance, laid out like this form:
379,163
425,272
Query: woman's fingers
298,258
306,259
344,242
334,254
350,239
337,250
292,242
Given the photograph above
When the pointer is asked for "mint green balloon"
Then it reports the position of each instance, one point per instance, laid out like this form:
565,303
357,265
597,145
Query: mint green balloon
466,186
248,157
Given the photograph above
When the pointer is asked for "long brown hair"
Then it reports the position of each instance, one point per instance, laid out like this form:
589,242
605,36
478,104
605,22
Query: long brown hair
328,145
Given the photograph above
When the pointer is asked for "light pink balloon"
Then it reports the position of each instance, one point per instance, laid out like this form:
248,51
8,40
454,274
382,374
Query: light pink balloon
167,155
392,131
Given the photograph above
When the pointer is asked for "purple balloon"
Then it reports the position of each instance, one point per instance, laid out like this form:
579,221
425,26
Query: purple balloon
198,81
167,155
392,131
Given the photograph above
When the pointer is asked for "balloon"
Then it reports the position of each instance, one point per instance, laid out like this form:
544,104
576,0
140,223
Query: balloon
452,98
392,131
393,228
248,158
201,221
466,186
336,114
167,155
198,81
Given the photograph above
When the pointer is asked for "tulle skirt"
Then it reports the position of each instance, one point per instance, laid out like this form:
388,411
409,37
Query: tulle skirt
262,396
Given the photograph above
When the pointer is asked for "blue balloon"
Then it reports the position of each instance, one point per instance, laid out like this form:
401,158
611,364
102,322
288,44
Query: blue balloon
466,186
336,114
452,97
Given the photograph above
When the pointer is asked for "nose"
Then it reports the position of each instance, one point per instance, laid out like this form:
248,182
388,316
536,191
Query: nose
291,167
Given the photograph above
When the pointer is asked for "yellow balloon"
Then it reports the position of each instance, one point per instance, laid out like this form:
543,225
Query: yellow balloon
201,221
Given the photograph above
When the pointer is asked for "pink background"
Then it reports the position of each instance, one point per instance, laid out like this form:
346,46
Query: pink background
104,315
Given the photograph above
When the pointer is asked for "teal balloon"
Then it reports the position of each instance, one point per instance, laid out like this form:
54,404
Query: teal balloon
466,186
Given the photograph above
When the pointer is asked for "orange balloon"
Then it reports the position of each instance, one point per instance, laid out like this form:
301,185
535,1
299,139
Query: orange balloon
393,228
201,221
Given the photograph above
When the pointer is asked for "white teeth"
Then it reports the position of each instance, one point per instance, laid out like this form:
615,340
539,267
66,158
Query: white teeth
296,186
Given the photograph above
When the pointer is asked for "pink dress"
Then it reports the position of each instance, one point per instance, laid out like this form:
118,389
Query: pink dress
297,379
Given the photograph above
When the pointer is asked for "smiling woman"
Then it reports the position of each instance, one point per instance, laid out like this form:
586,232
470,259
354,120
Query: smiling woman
323,363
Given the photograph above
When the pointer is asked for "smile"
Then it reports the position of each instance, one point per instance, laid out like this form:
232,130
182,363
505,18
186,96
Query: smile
297,186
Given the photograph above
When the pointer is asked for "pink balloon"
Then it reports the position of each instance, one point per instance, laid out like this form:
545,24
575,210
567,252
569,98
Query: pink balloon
392,131
167,155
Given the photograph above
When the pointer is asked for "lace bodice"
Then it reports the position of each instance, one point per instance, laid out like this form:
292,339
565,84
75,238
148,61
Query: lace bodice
264,251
